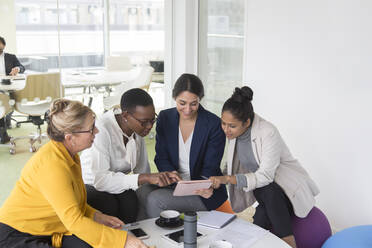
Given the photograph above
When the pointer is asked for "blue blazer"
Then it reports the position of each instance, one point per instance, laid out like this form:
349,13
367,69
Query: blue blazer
207,147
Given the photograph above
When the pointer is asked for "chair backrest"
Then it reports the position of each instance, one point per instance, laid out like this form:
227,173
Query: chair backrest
5,107
41,86
226,207
118,63
144,78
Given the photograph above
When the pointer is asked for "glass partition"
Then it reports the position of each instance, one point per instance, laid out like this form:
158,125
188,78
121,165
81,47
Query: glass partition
53,34
221,49
81,34
137,30
37,34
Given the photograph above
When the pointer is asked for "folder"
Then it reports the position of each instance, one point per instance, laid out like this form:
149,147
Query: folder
216,219
189,187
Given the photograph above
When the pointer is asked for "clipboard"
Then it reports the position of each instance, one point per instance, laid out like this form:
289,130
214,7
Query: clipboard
184,188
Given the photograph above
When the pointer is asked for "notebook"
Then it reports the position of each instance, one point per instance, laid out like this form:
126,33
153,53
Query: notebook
216,219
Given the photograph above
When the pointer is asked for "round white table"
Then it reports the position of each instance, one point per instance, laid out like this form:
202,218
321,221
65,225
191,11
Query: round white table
155,233
15,85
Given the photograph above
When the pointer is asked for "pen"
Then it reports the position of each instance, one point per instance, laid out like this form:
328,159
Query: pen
204,177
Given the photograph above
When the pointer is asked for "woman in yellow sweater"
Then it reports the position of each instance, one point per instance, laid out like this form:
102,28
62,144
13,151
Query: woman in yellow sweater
48,206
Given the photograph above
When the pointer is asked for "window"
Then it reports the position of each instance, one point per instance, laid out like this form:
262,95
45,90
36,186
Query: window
221,49
54,34
137,30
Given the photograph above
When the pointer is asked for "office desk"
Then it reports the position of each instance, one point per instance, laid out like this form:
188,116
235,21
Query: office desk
211,234
15,84
99,78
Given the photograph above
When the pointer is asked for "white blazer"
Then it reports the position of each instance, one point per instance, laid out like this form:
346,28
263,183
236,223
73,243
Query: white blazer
276,163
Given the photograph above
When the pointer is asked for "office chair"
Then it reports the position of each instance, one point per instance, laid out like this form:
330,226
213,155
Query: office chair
143,80
118,63
34,100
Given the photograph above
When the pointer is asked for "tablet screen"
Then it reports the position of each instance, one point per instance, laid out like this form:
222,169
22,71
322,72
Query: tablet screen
178,236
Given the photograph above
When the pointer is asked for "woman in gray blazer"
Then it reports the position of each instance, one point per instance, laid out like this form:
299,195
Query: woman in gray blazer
261,168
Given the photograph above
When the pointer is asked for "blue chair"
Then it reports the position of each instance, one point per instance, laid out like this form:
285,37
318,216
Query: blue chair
355,237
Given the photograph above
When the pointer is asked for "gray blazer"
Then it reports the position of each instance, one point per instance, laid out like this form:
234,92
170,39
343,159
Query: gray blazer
276,163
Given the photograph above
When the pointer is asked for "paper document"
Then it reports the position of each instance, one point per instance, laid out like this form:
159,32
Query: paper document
189,187
241,234
216,219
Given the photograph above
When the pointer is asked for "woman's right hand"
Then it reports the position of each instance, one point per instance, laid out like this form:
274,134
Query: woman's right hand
107,220
218,180
133,242
163,178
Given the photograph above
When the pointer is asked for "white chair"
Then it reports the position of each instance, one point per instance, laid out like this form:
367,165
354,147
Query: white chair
143,81
34,100
118,63
112,64
6,108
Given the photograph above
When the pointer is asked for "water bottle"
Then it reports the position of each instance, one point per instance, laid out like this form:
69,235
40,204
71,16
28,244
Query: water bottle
189,232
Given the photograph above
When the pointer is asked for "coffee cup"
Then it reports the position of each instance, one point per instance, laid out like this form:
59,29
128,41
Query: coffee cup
220,244
169,217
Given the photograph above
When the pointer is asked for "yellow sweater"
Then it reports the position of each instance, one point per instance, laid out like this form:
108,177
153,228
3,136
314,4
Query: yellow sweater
50,198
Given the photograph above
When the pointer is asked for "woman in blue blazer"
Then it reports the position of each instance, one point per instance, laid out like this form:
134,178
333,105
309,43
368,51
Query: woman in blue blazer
189,140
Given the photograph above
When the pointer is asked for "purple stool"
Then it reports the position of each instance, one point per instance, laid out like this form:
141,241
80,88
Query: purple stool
311,231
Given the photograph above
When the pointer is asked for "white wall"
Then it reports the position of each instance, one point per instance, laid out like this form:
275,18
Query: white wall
310,66
7,24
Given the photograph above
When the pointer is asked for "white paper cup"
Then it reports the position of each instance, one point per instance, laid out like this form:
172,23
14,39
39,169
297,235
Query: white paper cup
220,244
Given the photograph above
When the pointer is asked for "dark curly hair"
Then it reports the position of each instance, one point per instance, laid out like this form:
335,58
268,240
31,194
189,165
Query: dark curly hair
133,98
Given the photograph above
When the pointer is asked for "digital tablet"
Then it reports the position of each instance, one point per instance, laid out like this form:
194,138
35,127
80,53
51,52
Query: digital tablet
177,237
189,187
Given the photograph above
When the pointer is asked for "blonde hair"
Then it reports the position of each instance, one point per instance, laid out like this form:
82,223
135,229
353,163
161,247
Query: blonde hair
66,116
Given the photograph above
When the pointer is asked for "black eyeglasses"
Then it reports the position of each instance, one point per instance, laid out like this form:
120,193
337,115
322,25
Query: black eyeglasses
147,122
87,131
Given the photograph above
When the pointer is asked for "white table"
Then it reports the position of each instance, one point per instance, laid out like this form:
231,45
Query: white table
98,78
267,241
15,84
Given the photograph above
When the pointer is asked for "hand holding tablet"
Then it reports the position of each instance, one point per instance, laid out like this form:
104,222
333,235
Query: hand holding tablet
184,188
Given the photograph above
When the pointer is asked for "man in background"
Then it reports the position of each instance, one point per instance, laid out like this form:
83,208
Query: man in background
10,66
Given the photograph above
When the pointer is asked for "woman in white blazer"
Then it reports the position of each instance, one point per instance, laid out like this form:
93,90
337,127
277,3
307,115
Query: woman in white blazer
261,168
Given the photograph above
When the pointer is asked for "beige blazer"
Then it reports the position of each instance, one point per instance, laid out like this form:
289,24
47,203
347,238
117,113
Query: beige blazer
276,163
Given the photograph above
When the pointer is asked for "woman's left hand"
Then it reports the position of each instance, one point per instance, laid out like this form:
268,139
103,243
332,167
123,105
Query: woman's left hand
205,193
108,220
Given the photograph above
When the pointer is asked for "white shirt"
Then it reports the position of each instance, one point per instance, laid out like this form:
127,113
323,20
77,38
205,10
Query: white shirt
184,155
2,64
109,165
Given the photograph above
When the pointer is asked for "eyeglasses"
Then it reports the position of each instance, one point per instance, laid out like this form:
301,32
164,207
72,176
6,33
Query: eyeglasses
147,122
87,131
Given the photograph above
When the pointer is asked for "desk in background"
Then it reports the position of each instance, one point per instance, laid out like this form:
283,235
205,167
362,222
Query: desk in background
17,83
98,78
